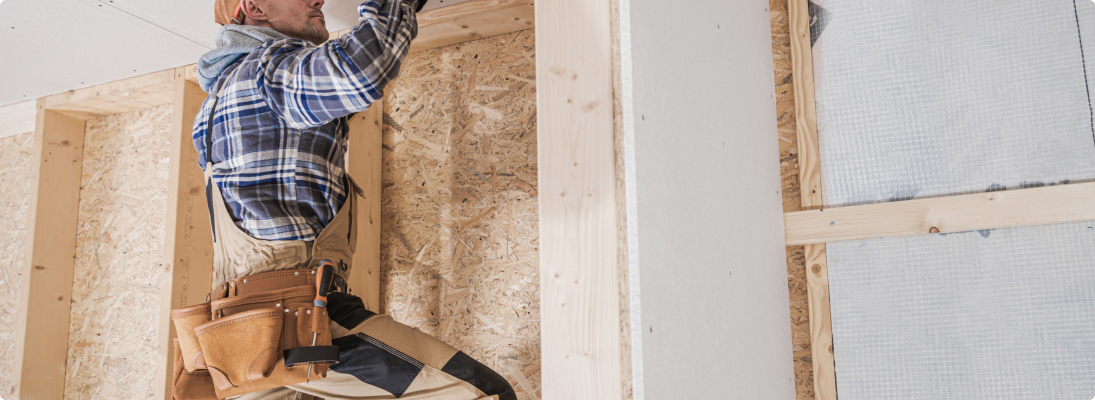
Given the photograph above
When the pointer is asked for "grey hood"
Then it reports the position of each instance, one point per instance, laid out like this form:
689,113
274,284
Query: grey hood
233,42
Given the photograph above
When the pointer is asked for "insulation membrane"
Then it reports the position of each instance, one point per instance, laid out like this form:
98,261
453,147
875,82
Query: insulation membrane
931,98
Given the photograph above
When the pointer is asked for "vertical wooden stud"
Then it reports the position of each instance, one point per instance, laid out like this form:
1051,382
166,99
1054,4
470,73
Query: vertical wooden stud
364,166
188,248
45,294
579,288
817,276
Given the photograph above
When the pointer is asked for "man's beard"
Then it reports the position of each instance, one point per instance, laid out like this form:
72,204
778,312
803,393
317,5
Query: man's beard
313,33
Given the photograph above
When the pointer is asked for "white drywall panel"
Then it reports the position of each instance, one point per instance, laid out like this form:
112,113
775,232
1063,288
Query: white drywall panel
191,19
705,211
51,46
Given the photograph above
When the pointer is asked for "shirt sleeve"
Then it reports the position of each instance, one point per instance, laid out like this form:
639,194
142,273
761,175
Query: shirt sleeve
308,86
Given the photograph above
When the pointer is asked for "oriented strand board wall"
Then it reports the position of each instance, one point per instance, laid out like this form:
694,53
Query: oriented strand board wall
460,246
792,200
15,169
119,247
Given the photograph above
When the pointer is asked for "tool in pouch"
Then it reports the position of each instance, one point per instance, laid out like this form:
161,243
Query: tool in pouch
255,333
323,285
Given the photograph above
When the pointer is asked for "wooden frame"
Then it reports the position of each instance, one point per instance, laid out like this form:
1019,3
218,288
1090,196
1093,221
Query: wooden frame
992,210
42,342
18,118
817,274
46,290
188,245
579,298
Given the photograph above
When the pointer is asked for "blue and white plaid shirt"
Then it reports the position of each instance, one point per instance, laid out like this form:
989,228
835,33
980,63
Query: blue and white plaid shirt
279,130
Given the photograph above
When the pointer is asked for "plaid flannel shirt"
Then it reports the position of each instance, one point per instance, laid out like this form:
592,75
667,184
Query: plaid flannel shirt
279,130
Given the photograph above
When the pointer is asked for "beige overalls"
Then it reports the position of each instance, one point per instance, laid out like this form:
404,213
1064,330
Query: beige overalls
379,358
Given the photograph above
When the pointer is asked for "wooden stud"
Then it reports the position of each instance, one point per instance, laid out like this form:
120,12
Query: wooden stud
817,278
963,213
46,291
188,250
579,288
364,165
18,118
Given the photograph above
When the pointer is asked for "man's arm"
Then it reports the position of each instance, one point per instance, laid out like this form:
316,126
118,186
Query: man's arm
308,86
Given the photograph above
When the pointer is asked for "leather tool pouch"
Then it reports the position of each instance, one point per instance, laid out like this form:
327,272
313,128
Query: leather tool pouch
256,334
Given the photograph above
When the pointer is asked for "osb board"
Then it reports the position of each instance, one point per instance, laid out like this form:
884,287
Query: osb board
119,247
16,153
792,200
460,241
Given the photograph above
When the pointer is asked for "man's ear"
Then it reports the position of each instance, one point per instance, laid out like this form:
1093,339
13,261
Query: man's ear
254,10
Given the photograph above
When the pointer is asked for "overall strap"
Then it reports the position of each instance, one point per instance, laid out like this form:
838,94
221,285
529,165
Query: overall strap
209,164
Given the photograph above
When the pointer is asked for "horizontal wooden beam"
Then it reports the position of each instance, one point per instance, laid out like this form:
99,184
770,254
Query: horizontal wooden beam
18,118
130,94
472,20
993,210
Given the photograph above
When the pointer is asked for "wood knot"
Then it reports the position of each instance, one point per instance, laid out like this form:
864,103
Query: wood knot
60,298
933,230
830,349
816,268
39,267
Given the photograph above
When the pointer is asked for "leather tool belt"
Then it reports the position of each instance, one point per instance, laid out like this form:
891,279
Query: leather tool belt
255,333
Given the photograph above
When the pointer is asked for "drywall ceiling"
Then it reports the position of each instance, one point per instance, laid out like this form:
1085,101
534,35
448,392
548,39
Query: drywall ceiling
51,46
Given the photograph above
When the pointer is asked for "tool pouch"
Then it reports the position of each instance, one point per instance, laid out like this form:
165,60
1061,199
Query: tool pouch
190,385
255,339
186,319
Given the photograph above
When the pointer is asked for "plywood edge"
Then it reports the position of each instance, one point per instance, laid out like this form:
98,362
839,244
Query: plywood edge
18,118
962,213
45,294
125,95
817,283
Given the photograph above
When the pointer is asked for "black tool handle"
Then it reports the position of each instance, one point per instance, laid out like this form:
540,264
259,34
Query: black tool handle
323,282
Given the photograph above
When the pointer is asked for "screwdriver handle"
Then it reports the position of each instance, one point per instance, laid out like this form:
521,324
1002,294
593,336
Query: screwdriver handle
323,282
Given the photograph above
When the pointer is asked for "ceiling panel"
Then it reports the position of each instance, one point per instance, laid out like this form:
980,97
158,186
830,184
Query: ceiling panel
52,46
192,19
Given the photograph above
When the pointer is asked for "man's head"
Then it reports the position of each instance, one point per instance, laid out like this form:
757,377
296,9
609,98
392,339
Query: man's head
300,19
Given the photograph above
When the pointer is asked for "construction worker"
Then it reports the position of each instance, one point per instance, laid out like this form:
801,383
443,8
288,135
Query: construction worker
272,139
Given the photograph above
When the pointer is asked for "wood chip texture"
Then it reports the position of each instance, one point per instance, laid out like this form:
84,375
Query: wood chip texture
792,198
460,241
16,157
119,250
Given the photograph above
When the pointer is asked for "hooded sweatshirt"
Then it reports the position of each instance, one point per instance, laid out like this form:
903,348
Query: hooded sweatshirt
233,42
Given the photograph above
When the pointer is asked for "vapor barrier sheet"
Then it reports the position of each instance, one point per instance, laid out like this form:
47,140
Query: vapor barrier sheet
930,98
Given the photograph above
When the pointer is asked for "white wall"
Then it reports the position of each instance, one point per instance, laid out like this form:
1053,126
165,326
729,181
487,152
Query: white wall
705,211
